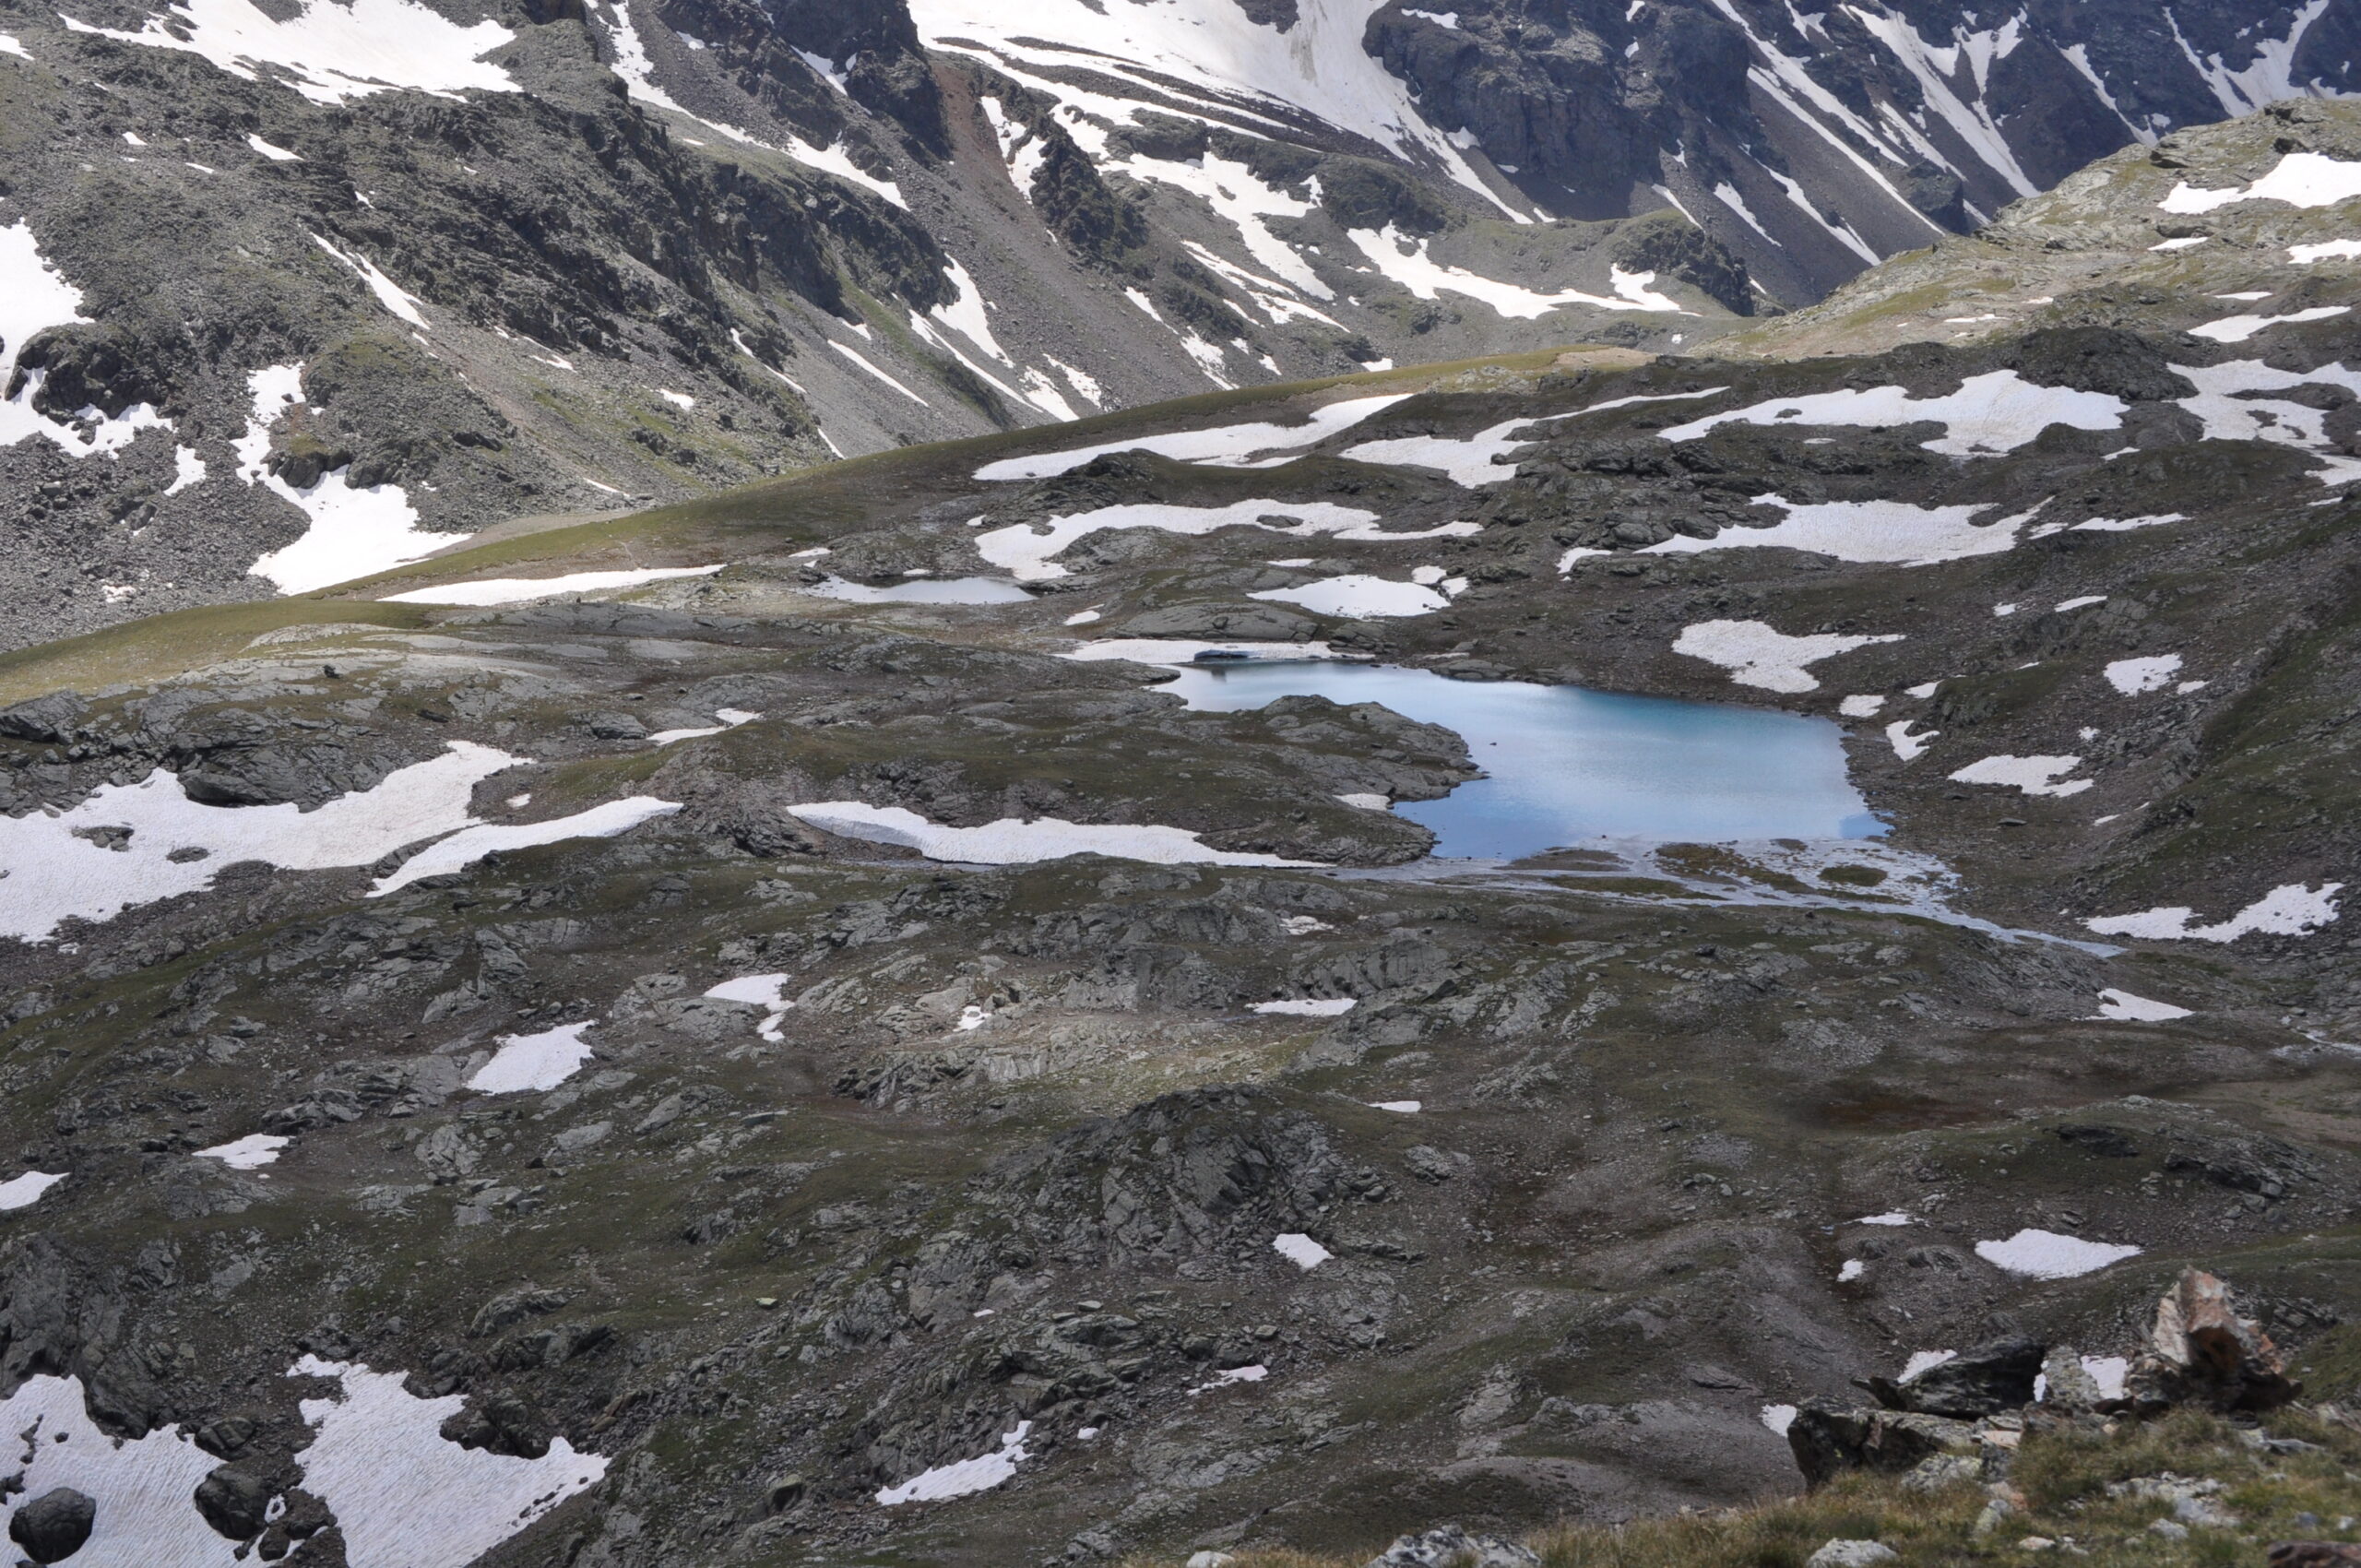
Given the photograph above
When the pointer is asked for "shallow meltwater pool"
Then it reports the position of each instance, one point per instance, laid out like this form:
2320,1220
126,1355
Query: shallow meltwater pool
1566,765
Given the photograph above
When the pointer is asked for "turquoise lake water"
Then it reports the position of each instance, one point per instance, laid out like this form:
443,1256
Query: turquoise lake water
1567,764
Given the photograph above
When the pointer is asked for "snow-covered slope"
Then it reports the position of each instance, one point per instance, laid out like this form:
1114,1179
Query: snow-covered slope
298,293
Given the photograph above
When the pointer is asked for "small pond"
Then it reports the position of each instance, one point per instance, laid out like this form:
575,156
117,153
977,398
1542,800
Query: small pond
1567,764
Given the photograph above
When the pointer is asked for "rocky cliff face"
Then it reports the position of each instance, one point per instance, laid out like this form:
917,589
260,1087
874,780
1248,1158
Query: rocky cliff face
302,296
766,1031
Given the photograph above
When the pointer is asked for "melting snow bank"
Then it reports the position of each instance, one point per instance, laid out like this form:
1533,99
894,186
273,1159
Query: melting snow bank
533,1061
353,532
331,53
1424,277
1010,841
1997,411
404,1495
23,1192
145,1488
2292,910
2044,1254
2034,775
730,718
249,1153
1228,446
33,297
967,1476
1307,1006
516,590
1026,555
1359,595
177,846
1472,460
464,848
766,992
1853,530
1229,1377
2298,179
1300,1250
1757,655
170,844
2123,1007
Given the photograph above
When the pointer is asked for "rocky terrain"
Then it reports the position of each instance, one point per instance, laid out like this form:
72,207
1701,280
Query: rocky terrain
786,1027
300,292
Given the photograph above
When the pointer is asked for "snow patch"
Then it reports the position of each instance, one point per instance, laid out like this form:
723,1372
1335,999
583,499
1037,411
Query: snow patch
1861,706
2044,1254
145,1487
397,300
2032,775
766,992
34,297
1210,63
23,1192
1026,554
471,844
330,50
2294,909
1307,1007
1228,446
249,1153
1908,745
2134,676
377,1450
1425,278
53,875
2238,329
517,590
1864,531
963,1478
1757,655
353,532
1357,595
1012,841
1997,411
533,1061
1300,1250
2298,179
2124,1007
730,718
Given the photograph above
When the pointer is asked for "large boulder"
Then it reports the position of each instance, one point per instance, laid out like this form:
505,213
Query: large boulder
1828,1439
2200,1351
1985,1381
1448,1546
53,1526
233,1502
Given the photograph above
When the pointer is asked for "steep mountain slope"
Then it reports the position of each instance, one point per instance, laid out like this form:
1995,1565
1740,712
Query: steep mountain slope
791,1028
303,291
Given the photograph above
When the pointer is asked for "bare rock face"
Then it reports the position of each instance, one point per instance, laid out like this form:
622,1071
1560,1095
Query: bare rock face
2200,1351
